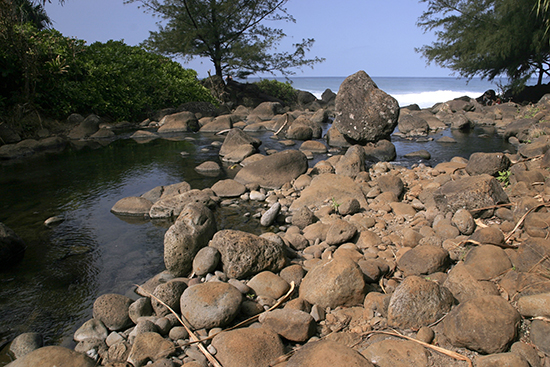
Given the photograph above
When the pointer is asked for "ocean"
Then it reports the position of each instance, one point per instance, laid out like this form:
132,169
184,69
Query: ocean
425,92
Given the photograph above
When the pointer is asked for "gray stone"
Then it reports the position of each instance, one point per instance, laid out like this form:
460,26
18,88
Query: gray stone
132,206
192,230
25,343
487,163
184,121
206,261
270,215
211,304
112,310
244,254
169,293
91,329
140,308
228,188
149,346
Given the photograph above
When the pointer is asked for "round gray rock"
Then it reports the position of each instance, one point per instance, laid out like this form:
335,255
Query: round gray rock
112,310
212,304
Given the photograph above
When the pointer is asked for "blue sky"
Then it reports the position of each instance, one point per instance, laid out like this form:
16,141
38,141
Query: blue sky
377,36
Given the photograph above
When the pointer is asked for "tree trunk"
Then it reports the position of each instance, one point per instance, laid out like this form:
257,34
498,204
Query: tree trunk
541,74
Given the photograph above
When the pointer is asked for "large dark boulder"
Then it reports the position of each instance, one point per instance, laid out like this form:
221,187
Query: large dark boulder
12,248
488,163
275,170
364,113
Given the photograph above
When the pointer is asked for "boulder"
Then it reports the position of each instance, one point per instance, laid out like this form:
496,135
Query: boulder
418,302
464,286
327,353
184,121
248,347
364,113
112,310
244,254
383,150
12,248
84,129
532,256
333,283
487,163
211,304
487,262
228,188
352,162
329,187
209,168
275,170
236,139
132,206
266,111
55,356
413,125
470,193
172,206
486,324
192,230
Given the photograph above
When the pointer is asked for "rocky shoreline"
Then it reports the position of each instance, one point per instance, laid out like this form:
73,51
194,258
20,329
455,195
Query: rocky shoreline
366,265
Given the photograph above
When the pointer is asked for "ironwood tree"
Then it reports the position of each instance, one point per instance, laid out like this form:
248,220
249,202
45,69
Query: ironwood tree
488,38
232,34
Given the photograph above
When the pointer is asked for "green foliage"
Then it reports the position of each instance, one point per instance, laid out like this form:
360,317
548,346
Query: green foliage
282,90
488,38
123,82
504,177
231,33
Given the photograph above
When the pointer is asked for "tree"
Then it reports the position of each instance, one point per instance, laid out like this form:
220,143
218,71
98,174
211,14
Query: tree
489,38
231,33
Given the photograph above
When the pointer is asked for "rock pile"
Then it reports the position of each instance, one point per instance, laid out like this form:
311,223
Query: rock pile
359,266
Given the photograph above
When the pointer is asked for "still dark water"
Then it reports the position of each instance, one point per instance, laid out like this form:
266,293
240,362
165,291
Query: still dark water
94,252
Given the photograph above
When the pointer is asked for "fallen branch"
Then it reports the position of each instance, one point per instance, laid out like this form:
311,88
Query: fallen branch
444,351
520,222
282,127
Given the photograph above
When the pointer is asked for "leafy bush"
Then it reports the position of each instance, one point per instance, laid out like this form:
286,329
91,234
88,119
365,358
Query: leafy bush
282,90
122,82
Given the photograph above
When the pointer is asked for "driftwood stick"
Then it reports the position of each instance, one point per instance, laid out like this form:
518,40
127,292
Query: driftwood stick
282,127
192,335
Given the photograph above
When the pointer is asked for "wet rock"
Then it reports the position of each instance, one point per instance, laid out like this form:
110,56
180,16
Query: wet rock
338,282
268,284
25,343
228,188
149,347
485,324
291,324
12,247
396,353
178,122
112,310
275,170
211,304
132,206
248,347
244,254
470,193
236,139
424,259
56,356
418,302
364,113
326,353
192,230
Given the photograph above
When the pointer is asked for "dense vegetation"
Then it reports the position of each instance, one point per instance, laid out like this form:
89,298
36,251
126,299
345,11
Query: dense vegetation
230,33
43,72
489,38
281,90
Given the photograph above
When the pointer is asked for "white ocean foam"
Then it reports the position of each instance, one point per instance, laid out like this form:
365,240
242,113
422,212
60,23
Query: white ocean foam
428,99
422,99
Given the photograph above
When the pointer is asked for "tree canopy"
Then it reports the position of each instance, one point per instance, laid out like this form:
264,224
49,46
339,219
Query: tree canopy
488,38
231,33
